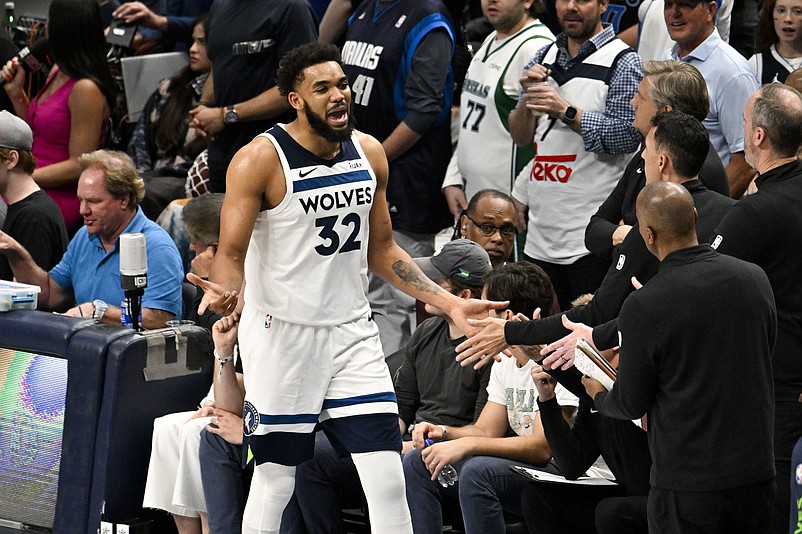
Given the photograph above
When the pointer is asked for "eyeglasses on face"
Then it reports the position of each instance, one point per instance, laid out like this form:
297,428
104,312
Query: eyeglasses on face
487,229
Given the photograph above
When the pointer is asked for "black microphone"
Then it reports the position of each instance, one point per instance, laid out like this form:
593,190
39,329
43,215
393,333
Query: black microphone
133,273
34,58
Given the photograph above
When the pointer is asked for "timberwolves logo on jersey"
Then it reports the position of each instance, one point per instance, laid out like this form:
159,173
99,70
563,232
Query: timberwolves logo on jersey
250,419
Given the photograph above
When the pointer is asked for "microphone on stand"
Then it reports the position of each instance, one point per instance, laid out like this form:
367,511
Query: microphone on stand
133,274
33,58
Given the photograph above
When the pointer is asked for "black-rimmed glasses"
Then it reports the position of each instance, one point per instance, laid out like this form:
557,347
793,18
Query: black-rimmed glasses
487,229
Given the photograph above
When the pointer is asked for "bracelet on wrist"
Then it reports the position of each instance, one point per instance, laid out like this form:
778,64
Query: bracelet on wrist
223,361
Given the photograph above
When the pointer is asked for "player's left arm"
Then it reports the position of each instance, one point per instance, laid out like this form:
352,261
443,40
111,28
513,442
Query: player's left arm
385,257
392,263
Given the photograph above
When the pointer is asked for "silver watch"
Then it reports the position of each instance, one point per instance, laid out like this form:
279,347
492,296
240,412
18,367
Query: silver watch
100,308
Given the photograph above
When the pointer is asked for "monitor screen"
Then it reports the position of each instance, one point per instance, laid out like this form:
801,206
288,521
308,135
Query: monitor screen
33,390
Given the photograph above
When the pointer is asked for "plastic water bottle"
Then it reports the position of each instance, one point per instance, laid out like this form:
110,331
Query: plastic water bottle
448,475
125,316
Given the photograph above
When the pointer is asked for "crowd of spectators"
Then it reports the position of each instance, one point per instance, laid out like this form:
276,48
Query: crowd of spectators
639,153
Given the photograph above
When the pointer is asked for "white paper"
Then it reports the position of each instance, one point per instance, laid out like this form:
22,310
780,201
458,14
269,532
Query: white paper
588,368
542,476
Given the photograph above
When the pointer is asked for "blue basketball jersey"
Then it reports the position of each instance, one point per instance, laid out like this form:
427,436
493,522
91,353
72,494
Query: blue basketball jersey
377,58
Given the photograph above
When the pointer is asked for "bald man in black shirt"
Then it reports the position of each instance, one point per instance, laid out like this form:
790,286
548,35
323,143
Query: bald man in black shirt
696,345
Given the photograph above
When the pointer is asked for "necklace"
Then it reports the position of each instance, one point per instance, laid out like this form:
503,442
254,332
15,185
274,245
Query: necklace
791,63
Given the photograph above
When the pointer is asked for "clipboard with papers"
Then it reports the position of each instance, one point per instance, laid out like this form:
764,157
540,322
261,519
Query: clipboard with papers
542,476
590,363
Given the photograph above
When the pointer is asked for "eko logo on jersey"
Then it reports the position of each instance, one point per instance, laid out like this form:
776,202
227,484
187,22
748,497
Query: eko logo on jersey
552,168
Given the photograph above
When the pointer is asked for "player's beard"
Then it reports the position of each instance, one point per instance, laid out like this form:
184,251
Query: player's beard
325,131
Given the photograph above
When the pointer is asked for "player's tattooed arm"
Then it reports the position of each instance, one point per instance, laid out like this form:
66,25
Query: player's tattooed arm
409,273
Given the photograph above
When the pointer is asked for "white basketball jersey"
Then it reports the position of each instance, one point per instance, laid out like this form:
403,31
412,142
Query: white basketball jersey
564,185
307,258
486,155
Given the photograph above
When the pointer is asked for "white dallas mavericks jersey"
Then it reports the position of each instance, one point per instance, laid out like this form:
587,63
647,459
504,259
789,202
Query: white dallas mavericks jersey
486,155
307,258
564,185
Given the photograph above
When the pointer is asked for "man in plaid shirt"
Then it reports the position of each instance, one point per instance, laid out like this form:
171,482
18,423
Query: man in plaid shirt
574,106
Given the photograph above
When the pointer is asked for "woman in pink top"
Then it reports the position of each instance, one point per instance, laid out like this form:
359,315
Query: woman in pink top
68,114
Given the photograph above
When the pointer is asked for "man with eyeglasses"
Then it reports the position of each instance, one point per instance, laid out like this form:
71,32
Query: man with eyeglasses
201,216
489,220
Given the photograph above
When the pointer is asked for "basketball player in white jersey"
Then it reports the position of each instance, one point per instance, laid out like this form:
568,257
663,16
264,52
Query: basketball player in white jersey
304,217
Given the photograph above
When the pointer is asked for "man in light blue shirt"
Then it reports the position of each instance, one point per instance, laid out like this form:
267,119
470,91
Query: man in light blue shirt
730,81
89,273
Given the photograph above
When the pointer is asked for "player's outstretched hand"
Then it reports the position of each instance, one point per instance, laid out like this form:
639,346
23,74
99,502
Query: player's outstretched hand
466,310
215,297
482,345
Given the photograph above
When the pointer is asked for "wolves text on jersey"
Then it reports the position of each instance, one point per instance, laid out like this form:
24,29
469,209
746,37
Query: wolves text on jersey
337,200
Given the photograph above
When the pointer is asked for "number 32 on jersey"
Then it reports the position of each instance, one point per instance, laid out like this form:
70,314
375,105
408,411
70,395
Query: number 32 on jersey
351,223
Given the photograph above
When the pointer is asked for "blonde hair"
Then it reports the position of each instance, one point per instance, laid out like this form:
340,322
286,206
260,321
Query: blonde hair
119,171
679,85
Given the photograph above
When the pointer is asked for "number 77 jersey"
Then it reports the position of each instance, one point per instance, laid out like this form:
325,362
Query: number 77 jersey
489,93
307,257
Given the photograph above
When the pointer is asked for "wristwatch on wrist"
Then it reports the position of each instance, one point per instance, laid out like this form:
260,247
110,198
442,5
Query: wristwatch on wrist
100,308
570,115
230,116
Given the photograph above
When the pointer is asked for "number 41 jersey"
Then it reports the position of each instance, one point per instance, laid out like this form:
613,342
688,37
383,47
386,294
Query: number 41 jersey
307,257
